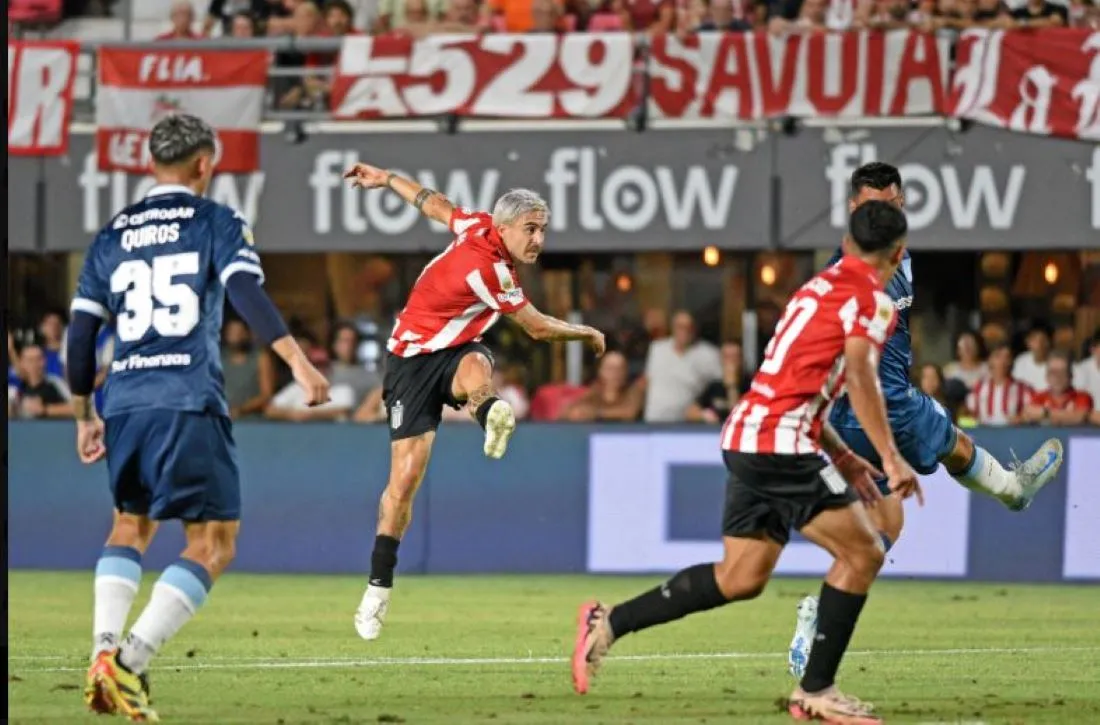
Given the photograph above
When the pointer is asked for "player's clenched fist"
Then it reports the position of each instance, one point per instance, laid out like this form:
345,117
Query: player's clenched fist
89,440
596,341
312,381
366,176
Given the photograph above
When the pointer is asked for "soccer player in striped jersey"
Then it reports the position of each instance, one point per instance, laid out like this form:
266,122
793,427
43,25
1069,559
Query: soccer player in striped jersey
831,334
435,356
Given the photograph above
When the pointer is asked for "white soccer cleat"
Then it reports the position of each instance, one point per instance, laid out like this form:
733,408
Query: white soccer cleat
805,629
500,424
372,612
1036,472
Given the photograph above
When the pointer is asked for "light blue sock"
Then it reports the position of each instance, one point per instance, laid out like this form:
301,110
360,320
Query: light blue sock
177,596
985,474
117,580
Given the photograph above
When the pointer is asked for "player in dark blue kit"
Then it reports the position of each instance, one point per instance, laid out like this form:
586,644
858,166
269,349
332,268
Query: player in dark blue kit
923,430
160,271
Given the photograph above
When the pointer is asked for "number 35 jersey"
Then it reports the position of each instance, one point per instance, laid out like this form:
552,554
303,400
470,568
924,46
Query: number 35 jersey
157,272
803,366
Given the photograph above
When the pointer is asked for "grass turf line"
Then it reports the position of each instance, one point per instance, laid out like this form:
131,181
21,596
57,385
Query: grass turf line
271,649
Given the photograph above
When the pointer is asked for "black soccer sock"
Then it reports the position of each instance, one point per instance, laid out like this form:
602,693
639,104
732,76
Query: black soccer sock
837,614
383,560
690,590
482,412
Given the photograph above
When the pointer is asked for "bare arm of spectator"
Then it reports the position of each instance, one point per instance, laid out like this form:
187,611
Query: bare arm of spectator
626,410
1033,413
1076,414
1056,19
583,409
372,410
266,373
60,410
213,15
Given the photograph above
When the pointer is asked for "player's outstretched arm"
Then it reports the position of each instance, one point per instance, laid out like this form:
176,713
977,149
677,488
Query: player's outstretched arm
428,202
865,393
80,369
550,329
259,312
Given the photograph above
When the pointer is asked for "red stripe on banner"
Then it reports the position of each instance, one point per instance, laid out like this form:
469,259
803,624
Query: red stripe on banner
166,69
120,149
40,96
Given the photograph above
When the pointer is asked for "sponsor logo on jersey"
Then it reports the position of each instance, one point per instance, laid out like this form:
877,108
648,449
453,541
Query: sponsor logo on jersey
151,362
153,215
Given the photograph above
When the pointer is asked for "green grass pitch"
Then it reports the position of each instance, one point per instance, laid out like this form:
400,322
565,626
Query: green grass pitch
282,650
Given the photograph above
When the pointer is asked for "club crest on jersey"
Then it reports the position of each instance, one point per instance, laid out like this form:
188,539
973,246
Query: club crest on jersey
397,414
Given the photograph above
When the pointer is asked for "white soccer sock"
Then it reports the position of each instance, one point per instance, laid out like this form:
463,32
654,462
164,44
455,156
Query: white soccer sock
987,475
117,579
177,596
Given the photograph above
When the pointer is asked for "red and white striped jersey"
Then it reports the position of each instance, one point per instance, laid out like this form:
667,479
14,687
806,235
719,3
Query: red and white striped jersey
803,367
461,293
998,403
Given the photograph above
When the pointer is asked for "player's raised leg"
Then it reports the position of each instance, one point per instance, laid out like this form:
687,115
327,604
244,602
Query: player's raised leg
746,565
473,382
847,534
117,581
408,463
1015,487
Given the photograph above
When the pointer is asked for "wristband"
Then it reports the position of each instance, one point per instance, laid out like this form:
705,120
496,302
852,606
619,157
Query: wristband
389,179
845,455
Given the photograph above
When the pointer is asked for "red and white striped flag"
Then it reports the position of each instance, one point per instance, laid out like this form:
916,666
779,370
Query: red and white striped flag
137,88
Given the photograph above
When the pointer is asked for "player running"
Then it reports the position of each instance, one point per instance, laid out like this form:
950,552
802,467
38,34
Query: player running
161,270
924,432
832,331
435,356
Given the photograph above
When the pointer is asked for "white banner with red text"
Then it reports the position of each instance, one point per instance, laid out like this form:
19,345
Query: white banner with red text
752,76
1045,82
137,88
492,76
40,96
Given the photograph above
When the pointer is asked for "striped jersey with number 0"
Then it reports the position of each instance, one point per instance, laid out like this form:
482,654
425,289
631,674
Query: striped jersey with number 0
803,366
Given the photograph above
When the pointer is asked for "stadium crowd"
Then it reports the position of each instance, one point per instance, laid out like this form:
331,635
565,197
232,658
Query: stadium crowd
662,372
246,18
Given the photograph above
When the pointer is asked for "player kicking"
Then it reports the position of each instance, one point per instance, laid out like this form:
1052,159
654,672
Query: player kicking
434,354
161,270
833,328
922,428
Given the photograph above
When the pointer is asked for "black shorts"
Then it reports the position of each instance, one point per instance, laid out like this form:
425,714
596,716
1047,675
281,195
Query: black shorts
774,494
415,389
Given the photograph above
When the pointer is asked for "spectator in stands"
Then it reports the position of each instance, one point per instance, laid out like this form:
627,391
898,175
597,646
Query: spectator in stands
956,14
289,404
932,382
992,14
182,16
1031,366
340,18
611,397
721,395
509,381
249,372
225,12
40,395
307,92
1086,375
279,17
398,15
888,15
13,365
51,333
720,15
924,14
346,368
1084,14
1041,14
968,365
243,25
649,16
677,371
998,399
519,16
1059,404
812,17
